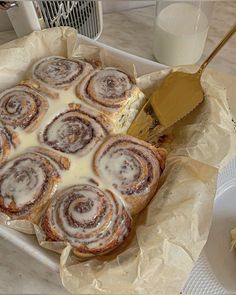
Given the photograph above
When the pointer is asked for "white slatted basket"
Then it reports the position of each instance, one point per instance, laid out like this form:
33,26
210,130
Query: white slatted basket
85,16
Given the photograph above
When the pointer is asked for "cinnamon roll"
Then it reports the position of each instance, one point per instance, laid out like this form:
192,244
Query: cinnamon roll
8,140
132,167
76,131
59,72
22,106
93,221
111,91
26,183
62,162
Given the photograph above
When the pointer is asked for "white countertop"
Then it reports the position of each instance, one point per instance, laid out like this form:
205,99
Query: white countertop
130,31
22,274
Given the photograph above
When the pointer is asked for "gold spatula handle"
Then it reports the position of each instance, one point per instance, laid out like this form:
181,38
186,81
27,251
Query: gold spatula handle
228,35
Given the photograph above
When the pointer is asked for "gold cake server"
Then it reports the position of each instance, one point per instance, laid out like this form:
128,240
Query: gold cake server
178,95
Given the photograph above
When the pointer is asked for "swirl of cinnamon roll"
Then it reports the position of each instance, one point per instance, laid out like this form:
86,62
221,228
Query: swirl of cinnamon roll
22,106
59,72
108,89
132,166
26,183
93,221
8,139
76,131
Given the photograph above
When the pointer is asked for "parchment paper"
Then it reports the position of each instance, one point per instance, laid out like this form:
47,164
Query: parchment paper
202,134
169,236
172,231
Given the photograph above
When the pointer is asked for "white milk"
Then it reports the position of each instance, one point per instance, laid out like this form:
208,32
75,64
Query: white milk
180,34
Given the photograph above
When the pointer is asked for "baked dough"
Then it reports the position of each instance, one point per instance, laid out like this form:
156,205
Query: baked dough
112,92
132,167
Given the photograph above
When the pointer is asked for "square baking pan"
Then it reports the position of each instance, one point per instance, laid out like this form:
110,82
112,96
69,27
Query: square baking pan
28,243
215,270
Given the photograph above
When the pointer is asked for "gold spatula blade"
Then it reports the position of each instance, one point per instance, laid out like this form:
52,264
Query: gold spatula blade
177,96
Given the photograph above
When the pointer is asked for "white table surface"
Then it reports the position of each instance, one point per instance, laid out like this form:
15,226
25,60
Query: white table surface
130,31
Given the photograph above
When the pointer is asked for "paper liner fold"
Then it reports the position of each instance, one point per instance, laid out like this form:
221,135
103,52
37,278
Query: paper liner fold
173,229
169,234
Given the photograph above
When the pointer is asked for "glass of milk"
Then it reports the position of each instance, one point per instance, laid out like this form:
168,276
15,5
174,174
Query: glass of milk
180,31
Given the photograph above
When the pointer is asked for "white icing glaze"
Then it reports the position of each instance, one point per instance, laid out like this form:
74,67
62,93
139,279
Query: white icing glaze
130,167
59,72
21,106
81,170
108,90
109,83
113,167
27,140
23,183
86,207
74,132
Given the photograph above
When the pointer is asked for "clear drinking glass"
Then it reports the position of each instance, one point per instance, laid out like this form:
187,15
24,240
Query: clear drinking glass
180,31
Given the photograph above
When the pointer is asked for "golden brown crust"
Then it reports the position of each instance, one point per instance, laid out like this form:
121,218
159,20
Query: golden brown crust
61,161
45,91
8,140
51,234
161,156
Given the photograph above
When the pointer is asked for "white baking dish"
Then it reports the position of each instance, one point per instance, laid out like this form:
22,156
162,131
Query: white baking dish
215,271
29,243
